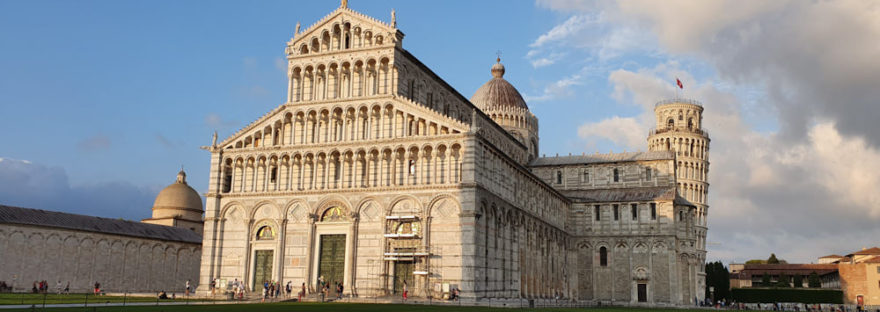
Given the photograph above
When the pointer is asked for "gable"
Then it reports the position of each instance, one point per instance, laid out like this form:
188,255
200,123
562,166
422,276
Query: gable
359,29
343,121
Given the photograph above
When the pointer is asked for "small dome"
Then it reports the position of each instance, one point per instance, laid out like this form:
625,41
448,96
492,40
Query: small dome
497,92
178,200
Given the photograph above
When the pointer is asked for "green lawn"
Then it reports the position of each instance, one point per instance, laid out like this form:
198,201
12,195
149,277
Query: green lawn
320,307
28,298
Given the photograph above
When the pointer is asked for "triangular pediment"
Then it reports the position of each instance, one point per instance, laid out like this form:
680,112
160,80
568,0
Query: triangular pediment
340,20
266,130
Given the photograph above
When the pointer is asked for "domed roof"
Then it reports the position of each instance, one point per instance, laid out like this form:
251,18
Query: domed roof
179,196
497,92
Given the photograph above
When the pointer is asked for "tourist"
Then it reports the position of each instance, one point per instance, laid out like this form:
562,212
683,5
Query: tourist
265,290
34,288
302,293
97,288
58,287
323,293
187,289
67,288
405,293
213,286
321,282
163,295
339,289
288,289
277,289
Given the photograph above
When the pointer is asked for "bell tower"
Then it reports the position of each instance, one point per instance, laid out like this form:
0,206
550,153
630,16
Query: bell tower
679,129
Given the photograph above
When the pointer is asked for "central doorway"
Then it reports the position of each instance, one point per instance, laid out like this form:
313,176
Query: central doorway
332,261
262,268
403,271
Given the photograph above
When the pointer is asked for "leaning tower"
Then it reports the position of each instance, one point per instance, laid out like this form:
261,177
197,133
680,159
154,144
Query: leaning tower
679,129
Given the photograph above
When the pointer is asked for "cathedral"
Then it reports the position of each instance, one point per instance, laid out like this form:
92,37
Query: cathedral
377,174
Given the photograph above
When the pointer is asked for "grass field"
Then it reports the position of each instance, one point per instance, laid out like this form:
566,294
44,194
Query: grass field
28,298
322,307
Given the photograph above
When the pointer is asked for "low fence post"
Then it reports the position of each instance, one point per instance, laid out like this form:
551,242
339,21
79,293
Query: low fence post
87,300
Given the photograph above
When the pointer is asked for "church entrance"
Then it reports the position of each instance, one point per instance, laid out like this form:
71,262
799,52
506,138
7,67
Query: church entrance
262,268
332,261
643,292
403,271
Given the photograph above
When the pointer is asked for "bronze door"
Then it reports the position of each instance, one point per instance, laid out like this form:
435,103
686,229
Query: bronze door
403,271
332,261
262,269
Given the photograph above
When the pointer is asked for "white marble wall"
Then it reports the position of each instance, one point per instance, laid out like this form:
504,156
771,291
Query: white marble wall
119,263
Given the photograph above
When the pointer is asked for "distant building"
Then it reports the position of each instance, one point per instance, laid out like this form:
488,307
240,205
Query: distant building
121,255
857,274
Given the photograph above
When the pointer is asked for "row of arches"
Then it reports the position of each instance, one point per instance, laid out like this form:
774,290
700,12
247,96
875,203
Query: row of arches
340,36
522,256
81,259
377,167
693,170
341,124
504,179
689,147
680,118
693,192
345,79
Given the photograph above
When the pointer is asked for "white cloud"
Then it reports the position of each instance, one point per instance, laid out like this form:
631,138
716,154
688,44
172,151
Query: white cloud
627,133
559,89
563,31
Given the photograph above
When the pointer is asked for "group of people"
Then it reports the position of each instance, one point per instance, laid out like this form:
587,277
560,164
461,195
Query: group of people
272,289
324,287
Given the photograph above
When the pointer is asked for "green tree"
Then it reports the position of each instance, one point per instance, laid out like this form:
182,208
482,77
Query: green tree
813,280
765,280
772,259
783,281
756,261
798,281
718,277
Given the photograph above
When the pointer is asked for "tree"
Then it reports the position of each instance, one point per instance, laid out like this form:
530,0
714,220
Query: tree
813,280
772,259
756,261
798,281
718,277
784,281
765,280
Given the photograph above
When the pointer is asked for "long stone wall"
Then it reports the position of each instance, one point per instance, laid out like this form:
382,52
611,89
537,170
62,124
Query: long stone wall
119,263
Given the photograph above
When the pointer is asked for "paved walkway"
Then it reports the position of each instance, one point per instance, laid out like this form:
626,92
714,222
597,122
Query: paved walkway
116,304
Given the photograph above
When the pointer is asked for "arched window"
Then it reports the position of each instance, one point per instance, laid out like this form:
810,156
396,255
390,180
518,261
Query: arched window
648,174
586,176
670,123
603,256
265,233
680,116
558,177
690,123
616,175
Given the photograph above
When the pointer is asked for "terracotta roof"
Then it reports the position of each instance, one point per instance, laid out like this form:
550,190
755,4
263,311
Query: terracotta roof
602,158
875,259
869,251
831,256
63,220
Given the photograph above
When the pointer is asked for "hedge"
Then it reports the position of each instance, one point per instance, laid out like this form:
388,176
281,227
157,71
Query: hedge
802,295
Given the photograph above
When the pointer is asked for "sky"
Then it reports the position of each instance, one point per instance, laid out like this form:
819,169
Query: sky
102,102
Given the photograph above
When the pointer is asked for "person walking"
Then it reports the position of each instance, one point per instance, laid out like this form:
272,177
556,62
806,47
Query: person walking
187,289
288,288
213,286
302,293
405,291
339,289
67,288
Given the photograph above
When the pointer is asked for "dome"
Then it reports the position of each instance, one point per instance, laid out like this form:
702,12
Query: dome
178,200
497,92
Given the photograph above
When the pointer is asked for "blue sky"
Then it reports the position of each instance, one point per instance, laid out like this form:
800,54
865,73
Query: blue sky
101,102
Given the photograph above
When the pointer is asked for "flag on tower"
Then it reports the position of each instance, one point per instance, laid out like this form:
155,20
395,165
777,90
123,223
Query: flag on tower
678,82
